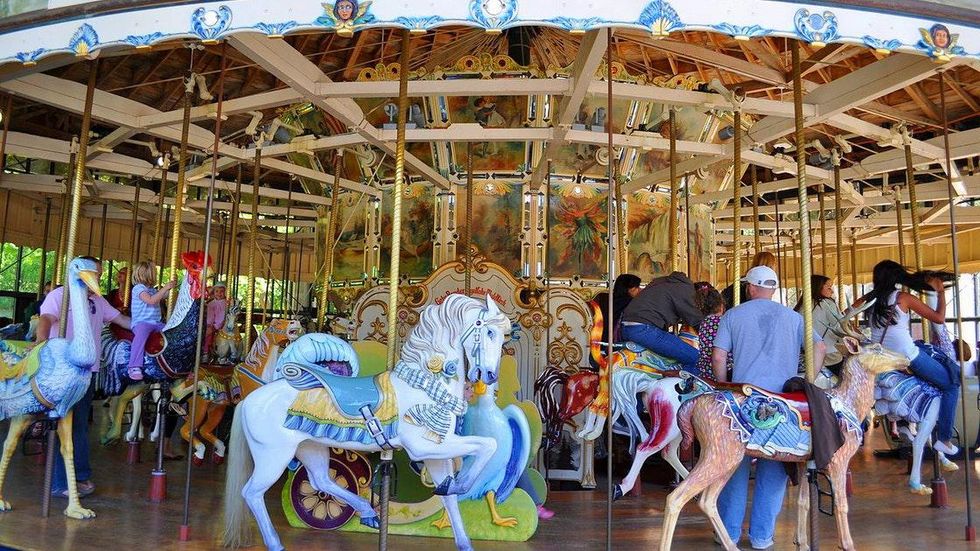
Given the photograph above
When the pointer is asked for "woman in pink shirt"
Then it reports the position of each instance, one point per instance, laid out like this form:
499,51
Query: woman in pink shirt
216,311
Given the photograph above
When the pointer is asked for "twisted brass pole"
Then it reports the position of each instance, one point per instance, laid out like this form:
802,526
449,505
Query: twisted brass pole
737,207
158,222
839,235
954,246
823,229
181,189
804,214
914,214
621,247
898,220
329,241
611,264
127,285
854,265
673,248
754,180
253,231
468,223
235,250
59,261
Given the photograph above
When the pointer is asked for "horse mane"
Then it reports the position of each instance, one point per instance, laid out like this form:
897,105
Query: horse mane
440,328
260,349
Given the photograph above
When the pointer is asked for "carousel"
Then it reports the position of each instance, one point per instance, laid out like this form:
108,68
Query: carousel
353,271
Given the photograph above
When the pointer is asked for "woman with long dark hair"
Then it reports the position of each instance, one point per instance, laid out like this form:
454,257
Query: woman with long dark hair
890,326
625,288
826,315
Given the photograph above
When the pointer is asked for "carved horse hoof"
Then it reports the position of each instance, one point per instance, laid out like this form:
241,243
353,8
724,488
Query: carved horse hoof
920,490
371,522
215,458
5,506
197,461
617,493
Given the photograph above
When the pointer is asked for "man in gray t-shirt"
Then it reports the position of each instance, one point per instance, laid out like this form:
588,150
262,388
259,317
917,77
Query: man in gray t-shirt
765,338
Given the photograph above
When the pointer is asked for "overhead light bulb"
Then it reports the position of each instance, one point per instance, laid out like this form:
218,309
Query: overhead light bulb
577,190
210,18
160,161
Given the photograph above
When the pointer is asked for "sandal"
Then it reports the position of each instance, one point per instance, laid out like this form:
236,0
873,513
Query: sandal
134,374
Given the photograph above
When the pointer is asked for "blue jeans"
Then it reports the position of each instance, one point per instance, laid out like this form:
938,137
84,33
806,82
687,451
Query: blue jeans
663,343
945,376
79,428
767,500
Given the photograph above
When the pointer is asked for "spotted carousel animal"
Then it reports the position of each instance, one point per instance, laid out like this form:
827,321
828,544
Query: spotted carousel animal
221,386
228,341
901,396
415,406
169,355
51,379
742,420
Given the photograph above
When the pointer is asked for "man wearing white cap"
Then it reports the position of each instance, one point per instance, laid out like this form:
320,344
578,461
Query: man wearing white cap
765,338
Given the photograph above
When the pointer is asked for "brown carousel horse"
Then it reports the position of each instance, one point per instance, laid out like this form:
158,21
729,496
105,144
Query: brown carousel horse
729,427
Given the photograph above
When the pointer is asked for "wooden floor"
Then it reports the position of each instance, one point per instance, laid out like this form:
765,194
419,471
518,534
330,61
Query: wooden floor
883,515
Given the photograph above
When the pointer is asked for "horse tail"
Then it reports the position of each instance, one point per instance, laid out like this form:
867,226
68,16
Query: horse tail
238,532
595,337
684,415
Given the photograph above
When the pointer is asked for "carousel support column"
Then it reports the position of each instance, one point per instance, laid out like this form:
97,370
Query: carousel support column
804,252
971,533
621,248
127,285
3,166
779,254
185,528
253,229
754,180
611,267
44,248
468,222
396,227
181,189
737,208
672,240
77,180
234,254
286,301
329,241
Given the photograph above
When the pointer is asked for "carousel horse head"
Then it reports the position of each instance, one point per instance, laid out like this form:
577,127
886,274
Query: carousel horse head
873,357
193,262
460,330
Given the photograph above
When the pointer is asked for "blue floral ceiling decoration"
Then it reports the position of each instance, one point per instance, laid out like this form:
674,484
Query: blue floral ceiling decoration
660,17
493,15
210,24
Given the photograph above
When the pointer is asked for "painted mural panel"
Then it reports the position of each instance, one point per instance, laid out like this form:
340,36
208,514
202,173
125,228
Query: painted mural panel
691,125
496,222
491,112
578,221
418,223
701,239
649,225
349,255
584,158
374,113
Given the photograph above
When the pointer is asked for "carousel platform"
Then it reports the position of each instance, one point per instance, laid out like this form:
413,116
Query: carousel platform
884,516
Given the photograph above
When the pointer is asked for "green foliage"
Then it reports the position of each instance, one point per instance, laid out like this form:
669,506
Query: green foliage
30,269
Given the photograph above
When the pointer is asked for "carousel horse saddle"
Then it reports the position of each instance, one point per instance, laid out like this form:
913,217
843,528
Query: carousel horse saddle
769,422
347,409
154,344
17,363
901,395
646,359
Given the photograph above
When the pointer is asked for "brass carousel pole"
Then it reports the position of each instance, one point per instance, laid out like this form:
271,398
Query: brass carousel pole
468,224
854,265
44,248
253,230
779,254
898,220
916,236
971,533
805,276
235,251
185,527
396,227
127,285
65,208
181,189
673,248
821,192
329,242
611,263
839,233
77,180
286,300
156,253
621,247
687,225
754,181
737,208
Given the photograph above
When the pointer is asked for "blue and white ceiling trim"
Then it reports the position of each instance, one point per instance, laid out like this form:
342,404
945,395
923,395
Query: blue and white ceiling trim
744,19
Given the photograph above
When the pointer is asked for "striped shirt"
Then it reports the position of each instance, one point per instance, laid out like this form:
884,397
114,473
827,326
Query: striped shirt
143,312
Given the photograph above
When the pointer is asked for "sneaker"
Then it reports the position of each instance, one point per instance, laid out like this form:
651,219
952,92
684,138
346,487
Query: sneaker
544,513
134,374
763,545
86,488
945,448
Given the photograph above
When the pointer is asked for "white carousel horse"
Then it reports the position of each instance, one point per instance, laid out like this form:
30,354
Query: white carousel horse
415,406
900,396
228,341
